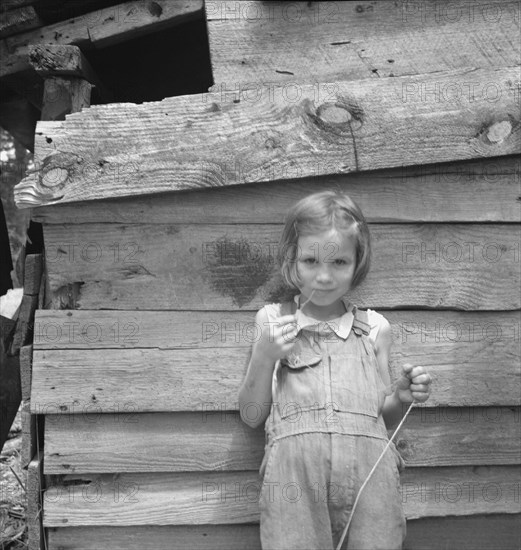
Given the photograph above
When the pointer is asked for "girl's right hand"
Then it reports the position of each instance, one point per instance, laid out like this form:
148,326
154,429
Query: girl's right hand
277,338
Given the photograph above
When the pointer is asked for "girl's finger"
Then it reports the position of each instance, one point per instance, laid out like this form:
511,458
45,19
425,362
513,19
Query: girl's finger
285,319
419,388
407,368
421,379
421,397
290,337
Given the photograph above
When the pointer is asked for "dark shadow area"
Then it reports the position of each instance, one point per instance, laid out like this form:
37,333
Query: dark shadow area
167,63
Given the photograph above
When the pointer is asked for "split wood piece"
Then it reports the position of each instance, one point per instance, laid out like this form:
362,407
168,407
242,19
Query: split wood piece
35,486
221,497
59,60
33,274
234,267
44,290
214,439
64,95
477,532
100,28
204,141
24,324
29,434
18,20
331,41
481,190
26,366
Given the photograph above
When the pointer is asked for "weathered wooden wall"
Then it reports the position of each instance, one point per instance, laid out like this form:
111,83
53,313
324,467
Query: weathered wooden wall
139,357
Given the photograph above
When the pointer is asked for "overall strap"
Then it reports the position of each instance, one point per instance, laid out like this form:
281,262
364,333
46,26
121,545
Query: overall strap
360,322
288,308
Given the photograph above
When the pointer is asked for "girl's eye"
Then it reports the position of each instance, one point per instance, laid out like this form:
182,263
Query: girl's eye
309,261
340,262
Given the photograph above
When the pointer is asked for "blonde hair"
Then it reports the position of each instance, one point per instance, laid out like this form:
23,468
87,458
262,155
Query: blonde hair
321,212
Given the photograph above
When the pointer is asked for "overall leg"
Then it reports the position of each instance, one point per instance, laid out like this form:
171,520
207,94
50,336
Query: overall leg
378,522
293,503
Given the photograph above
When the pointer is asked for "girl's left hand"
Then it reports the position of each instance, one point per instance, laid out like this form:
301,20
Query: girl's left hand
414,385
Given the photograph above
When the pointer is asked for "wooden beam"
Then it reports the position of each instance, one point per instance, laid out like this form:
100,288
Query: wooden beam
26,367
29,435
31,283
32,274
216,498
99,29
24,324
35,487
19,20
59,60
331,41
13,4
64,95
481,190
215,439
222,139
478,532
227,267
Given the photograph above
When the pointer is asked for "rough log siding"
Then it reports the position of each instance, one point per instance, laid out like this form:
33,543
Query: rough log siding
200,267
481,190
231,497
331,41
213,140
480,532
125,441
178,361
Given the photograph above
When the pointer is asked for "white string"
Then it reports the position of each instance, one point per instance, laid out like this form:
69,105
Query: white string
346,528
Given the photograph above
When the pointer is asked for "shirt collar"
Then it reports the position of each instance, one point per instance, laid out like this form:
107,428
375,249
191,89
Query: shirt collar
340,326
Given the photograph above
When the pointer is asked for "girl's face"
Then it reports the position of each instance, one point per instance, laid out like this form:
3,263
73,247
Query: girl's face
326,264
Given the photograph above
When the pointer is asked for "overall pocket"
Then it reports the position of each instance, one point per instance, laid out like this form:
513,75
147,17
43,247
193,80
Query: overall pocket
300,382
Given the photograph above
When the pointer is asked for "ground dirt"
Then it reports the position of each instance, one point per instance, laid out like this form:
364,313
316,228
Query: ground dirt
13,479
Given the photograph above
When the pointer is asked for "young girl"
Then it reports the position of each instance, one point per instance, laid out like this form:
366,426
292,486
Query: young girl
319,375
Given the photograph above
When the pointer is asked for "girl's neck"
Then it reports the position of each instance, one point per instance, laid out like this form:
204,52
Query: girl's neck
323,313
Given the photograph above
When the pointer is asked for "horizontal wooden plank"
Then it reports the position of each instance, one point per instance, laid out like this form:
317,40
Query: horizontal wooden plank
18,20
98,29
90,442
215,438
35,486
216,498
466,191
158,537
218,140
204,267
329,41
155,380
202,356
480,532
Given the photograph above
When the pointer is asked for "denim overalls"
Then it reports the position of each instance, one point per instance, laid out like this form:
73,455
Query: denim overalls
324,434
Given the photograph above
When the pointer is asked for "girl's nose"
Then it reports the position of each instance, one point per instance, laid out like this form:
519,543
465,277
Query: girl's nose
324,274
